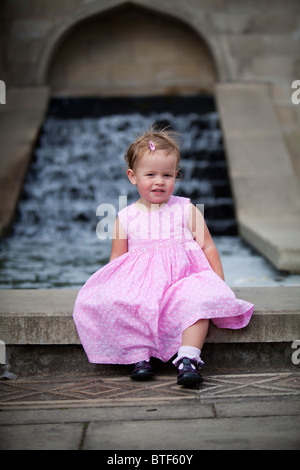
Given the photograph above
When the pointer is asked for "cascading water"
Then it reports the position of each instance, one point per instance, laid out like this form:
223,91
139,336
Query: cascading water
79,164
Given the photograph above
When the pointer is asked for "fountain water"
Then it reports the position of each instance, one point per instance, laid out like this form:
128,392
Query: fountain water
79,164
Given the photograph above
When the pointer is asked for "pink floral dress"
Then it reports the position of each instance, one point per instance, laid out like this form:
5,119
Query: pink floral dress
138,305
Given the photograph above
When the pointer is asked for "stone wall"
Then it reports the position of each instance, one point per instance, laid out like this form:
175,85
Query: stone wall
83,47
132,52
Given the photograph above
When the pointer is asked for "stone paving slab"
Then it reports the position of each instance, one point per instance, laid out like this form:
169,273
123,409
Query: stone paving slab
240,411
271,433
147,411
248,433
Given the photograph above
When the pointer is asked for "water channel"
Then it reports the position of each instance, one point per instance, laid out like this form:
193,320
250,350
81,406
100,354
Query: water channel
78,164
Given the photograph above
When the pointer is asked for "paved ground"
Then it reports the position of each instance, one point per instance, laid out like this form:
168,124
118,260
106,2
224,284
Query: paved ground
244,411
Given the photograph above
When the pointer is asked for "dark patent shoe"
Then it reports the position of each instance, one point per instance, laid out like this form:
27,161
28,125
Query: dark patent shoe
142,371
188,375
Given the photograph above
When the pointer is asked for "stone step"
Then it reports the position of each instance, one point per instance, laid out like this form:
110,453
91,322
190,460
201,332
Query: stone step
40,336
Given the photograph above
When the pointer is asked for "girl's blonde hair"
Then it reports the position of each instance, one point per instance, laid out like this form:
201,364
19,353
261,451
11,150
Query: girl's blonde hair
164,139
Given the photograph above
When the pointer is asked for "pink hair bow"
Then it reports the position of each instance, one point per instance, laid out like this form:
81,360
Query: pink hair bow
151,145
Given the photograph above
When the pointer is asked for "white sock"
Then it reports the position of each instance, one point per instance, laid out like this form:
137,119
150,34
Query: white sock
190,352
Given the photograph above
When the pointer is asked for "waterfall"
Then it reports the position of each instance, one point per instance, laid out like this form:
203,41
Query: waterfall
79,164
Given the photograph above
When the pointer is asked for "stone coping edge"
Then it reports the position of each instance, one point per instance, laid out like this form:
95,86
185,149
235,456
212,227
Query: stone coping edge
44,317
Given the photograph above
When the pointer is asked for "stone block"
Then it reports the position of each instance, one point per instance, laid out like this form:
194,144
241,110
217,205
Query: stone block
287,115
26,98
177,74
30,28
38,317
245,46
257,157
273,22
233,23
44,317
281,92
24,52
131,74
108,53
154,51
271,195
293,143
276,238
268,68
13,167
246,111
20,122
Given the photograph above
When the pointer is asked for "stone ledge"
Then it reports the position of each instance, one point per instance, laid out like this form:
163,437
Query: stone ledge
279,241
44,317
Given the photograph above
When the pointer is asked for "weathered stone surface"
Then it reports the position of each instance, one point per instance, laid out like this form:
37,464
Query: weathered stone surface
41,317
265,189
277,238
20,121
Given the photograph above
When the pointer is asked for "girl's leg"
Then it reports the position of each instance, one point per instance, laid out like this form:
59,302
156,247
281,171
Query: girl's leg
195,334
192,342
188,359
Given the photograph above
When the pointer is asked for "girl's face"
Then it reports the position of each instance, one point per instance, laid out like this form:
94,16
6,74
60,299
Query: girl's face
154,176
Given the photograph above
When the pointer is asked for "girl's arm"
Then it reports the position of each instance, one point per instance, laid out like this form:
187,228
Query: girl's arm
120,242
202,236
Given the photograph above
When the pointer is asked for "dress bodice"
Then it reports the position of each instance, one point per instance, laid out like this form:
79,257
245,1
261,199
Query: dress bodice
170,222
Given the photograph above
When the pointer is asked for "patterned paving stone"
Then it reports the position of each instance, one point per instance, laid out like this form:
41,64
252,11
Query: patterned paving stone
89,390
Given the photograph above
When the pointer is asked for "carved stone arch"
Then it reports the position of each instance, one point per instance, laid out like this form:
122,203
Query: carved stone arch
173,9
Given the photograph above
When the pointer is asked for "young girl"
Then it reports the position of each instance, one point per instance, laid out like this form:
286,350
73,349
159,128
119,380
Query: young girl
164,281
